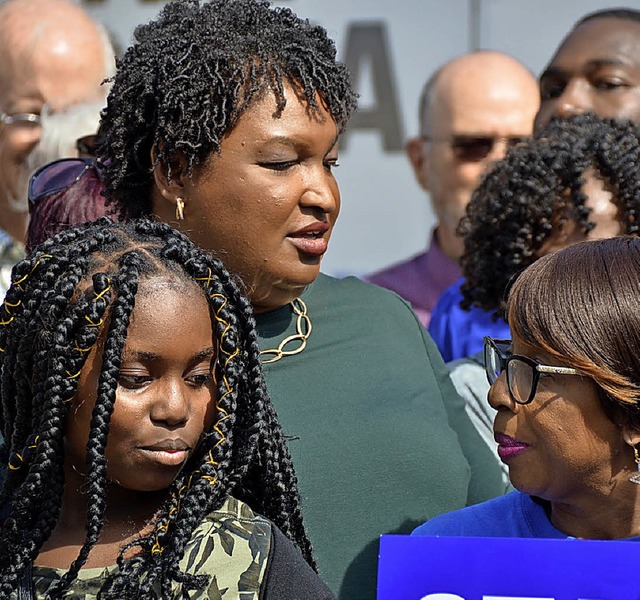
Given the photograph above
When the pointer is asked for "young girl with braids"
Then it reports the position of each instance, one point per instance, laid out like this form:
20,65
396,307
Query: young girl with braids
139,437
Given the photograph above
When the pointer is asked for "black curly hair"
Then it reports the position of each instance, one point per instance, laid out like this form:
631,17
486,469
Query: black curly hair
512,211
51,316
194,71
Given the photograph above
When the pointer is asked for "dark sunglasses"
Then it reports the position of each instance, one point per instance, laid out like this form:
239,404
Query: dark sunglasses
474,148
57,176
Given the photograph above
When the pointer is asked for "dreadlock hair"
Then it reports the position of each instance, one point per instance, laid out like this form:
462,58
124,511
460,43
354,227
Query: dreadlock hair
194,71
52,316
513,210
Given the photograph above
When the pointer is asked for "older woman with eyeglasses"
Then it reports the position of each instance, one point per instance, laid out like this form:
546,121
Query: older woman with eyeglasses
566,389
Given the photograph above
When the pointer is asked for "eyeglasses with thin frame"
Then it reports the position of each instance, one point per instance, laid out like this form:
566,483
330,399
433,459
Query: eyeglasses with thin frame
474,148
57,176
20,118
523,373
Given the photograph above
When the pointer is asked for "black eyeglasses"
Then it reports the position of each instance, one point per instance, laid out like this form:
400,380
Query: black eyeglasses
57,176
474,148
523,373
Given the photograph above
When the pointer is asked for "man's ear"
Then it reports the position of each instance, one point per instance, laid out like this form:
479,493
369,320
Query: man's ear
418,157
170,179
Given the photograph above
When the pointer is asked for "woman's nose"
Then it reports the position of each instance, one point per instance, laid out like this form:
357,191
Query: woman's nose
499,395
170,405
321,190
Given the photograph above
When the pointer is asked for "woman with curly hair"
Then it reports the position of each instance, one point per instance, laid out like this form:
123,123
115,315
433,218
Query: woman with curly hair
577,179
224,120
139,434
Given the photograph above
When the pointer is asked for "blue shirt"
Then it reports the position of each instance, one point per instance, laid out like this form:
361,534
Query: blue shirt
513,515
458,332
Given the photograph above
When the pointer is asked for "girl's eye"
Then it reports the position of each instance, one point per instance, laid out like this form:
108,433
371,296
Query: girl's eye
200,379
133,381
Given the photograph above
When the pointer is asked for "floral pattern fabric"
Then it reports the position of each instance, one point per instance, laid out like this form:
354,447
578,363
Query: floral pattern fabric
231,545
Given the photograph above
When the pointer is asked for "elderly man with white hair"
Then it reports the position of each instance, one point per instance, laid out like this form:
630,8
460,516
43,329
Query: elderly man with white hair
54,57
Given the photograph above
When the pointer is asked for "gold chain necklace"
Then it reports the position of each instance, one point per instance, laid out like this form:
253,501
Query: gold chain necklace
303,331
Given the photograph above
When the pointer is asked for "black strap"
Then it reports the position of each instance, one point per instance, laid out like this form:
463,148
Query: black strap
25,588
288,576
25,591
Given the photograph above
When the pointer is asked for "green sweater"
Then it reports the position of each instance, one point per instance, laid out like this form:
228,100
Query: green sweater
368,410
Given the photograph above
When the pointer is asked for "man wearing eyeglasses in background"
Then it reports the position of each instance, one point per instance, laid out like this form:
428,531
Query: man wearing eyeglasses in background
53,56
471,109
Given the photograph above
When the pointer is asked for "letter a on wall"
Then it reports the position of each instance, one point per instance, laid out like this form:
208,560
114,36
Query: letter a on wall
366,45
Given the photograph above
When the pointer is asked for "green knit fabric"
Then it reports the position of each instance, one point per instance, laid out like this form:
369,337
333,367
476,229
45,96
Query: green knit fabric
363,407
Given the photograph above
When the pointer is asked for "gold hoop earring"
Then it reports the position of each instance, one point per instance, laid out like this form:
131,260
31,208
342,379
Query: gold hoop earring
636,478
179,209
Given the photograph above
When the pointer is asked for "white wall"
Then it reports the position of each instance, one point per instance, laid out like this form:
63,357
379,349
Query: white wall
385,216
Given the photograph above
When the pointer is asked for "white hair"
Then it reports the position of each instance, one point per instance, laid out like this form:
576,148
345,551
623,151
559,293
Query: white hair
60,133
61,130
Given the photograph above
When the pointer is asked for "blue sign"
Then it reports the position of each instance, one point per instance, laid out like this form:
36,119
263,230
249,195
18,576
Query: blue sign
459,568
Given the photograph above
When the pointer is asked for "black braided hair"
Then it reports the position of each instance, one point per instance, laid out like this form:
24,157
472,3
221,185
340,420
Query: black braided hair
194,71
63,296
511,212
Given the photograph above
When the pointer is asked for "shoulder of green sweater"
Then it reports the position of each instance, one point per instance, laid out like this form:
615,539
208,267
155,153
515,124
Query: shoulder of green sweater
351,287
392,314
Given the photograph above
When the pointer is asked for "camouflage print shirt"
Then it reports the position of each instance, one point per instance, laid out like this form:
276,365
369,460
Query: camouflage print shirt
245,555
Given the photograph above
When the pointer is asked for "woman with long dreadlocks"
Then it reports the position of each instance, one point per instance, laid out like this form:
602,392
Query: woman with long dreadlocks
224,120
139,437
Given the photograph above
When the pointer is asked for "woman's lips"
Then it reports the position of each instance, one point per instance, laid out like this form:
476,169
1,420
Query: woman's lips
310,239
509,447
307,245
169,452
170,458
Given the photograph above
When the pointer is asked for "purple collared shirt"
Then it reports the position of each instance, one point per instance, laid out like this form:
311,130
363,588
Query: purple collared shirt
421,279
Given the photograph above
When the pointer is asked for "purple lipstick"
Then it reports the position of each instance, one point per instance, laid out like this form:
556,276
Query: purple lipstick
509,447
